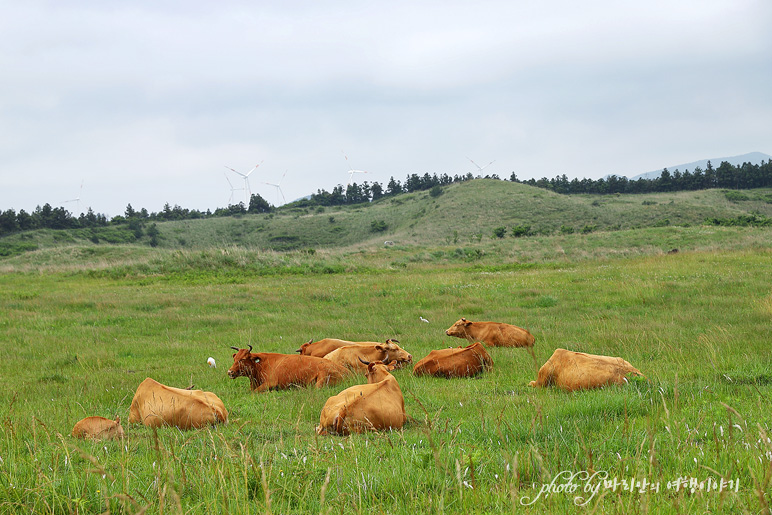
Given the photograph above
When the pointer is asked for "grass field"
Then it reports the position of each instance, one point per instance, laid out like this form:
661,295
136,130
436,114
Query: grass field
83,326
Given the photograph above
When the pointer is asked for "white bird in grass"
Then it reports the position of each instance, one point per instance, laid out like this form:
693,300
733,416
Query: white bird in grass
211,362
423,319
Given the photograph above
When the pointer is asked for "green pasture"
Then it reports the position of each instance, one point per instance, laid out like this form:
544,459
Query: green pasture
76,341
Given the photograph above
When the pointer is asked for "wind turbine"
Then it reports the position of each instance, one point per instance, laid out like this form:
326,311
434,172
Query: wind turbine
230,200
351,171
278,188
247,190
77,199
481,168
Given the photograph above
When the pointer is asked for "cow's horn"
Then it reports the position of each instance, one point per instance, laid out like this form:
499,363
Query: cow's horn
363,361
392,340
235,348
250,348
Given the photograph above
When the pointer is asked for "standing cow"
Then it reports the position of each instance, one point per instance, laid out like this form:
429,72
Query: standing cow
374,406
272,371
493,334
578,371
455,362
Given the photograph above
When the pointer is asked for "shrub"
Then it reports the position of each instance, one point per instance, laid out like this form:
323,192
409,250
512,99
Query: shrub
378,226
521,230
499,232
565,229
736,196
153,233
436,191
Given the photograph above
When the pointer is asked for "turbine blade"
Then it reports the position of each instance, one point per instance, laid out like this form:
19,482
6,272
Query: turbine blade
235,171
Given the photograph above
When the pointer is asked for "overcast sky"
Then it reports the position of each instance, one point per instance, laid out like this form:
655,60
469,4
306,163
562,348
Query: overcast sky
147,102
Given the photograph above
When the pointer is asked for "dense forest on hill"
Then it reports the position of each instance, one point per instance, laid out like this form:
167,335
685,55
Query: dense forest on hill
727,176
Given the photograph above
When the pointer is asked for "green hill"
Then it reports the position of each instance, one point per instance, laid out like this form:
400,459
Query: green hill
463,212
463,216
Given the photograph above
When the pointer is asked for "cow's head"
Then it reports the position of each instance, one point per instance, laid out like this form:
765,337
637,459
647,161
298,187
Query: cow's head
391,352
244,363
377,371
302,349
459,328
117,430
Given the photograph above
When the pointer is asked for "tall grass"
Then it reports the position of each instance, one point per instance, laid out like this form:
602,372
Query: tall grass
77,343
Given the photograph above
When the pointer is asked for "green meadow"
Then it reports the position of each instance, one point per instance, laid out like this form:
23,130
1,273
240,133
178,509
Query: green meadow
81,325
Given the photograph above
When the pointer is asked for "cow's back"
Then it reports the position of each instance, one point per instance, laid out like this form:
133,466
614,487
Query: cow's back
325,346
351,356
98,428
571,370
286,370
494,334
155,404
458,362
497,334
364,407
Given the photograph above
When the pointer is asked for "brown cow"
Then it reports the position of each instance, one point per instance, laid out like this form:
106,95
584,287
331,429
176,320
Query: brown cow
377,405
98,428
493,334
455,362
323,347
351,356
155,404
271,371
576,371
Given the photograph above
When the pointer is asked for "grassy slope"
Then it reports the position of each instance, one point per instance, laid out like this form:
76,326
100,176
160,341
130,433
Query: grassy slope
464,213
461,212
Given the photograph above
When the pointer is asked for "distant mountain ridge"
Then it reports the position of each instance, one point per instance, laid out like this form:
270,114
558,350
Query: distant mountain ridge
752,157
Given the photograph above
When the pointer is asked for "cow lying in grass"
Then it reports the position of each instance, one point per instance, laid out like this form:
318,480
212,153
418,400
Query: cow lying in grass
352,356
374,406
578,371
271,371
493,334
323,347
455,362
155,405
98,428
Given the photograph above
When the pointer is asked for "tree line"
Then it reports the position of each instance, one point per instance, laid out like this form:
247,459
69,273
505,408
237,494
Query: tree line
728,176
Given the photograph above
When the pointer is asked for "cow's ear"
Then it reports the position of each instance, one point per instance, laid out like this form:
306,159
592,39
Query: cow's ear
466,322
256,359
370,367
380,348
118,420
